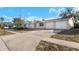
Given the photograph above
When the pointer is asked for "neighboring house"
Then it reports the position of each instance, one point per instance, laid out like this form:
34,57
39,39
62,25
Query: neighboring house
67,23
27,24
8,25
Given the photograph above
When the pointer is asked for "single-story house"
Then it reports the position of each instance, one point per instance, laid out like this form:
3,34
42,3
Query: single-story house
8,25
66,23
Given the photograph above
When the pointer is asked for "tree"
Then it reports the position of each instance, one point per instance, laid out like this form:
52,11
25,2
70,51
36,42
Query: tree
18,22
76,15
1,19
2,24
76,23
67,13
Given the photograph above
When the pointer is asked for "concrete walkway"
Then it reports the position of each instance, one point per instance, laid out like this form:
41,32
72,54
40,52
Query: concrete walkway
29,40
63,42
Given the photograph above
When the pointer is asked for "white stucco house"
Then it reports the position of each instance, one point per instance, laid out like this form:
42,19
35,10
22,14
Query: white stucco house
66,23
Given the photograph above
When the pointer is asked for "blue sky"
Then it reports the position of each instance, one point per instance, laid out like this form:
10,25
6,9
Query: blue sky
31,13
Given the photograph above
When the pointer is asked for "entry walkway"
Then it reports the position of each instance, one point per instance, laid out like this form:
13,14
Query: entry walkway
63,42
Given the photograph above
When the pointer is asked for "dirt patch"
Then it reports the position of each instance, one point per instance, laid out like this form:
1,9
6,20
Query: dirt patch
19,31
23,31
69,35
47,46
2,32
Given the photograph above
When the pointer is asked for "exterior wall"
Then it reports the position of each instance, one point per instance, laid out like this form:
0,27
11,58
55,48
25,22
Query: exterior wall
61,25
37,25
71,22
50,25
41,27
54,25
27,25
31,25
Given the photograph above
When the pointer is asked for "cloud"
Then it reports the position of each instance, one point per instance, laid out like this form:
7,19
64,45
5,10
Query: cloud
76,9
52,10
32,18
7,18
61,10
56,11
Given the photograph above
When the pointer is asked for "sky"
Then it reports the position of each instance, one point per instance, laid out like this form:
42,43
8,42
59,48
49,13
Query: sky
32,13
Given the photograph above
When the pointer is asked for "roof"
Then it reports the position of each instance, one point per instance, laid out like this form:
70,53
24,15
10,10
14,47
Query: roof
60,19
53,20
8,23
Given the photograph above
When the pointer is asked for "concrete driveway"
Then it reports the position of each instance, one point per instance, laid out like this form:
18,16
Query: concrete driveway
24,41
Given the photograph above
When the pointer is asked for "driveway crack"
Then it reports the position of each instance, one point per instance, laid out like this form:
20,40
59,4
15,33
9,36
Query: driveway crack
4,43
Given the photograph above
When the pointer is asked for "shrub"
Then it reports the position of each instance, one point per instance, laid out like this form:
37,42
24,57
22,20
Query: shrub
1,26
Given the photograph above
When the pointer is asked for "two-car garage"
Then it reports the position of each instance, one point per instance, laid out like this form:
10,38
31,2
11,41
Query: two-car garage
59,23
49,25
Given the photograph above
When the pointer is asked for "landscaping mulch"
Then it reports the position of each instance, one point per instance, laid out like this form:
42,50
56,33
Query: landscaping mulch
47,46
69,35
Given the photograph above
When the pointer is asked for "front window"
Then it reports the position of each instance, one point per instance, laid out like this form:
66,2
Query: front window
41,24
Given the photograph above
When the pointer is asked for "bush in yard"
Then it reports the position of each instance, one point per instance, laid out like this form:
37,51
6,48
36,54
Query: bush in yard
1,26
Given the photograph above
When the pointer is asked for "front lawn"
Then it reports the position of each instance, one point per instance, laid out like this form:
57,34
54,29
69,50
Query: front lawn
2,32
47,46
69,35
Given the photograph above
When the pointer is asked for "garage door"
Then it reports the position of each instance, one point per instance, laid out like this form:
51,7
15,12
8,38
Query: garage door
61,25
50,25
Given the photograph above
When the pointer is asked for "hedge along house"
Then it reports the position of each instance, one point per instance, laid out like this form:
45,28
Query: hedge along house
55,24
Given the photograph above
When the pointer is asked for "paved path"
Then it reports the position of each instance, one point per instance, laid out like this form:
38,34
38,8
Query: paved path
29,40
63,42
